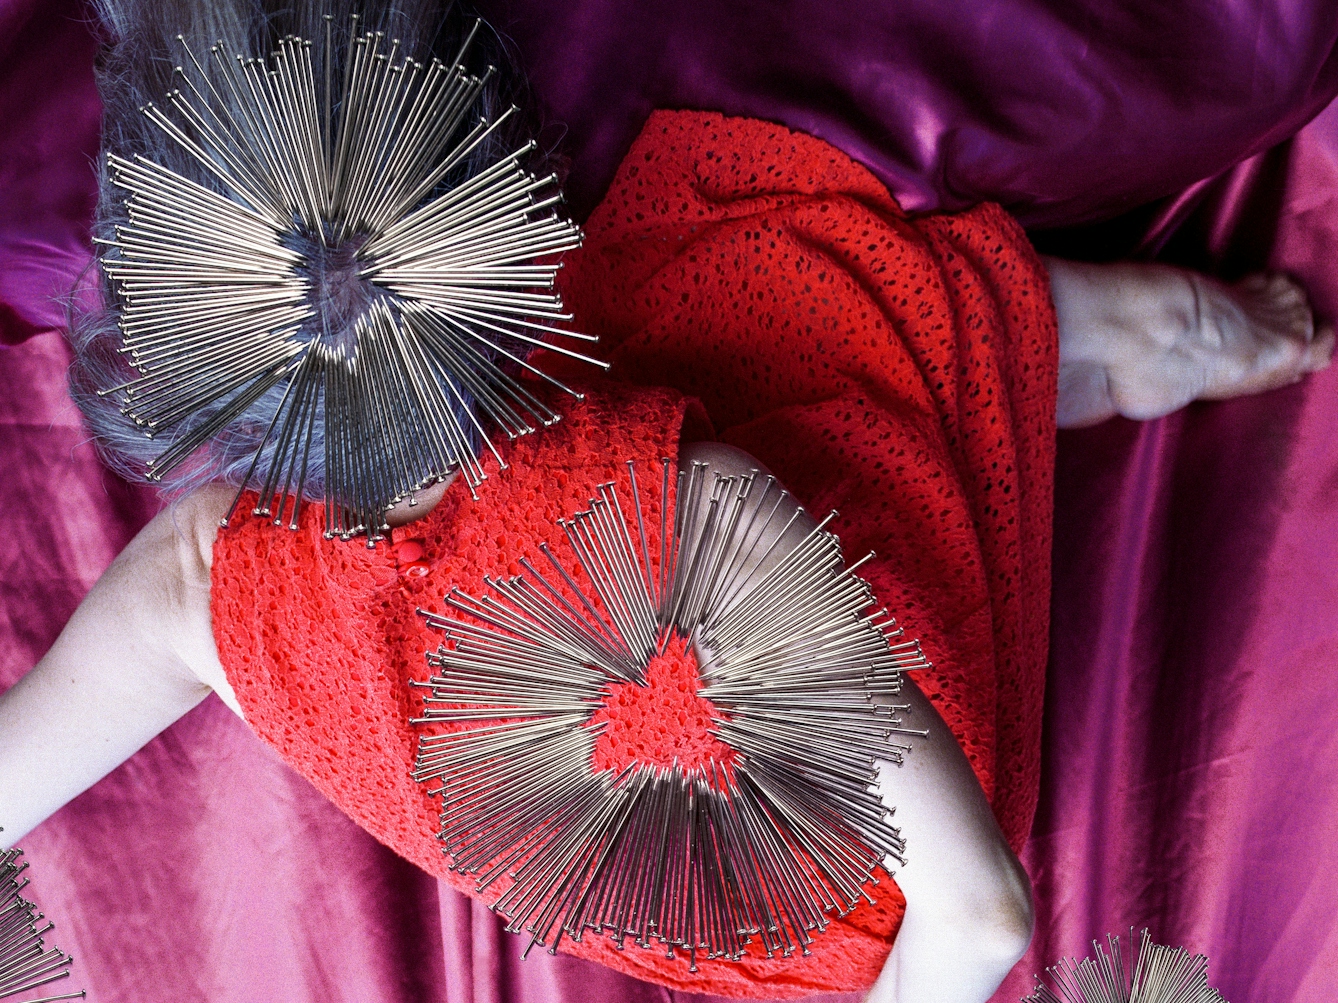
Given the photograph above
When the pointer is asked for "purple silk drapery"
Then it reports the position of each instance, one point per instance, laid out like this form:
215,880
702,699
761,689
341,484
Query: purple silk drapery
1190,756
1063,112
1189,781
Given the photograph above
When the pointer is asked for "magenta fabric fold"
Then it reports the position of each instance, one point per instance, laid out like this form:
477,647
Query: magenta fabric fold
49,119
1190,779
1190,760
1063,111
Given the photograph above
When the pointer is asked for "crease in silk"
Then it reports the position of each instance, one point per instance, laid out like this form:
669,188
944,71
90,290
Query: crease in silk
1190,767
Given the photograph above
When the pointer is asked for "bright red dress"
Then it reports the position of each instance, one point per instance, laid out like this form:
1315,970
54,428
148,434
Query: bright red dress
899,370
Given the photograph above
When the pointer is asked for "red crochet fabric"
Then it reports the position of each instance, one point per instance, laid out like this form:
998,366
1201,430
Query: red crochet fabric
320,638
900,371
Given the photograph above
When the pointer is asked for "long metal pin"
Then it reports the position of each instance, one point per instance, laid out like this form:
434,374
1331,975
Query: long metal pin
635,569
743,563
497,349
685,520
612,537
699,553
265,133
475,838
648,575
704,605
699,859
218,108
477,830
426,219
836,851
593,560
798,560
811,566
793,908
788,896
538,878
455,363
613,915
459,363
590,566
611,850
471,858
495,224
433,209
585,642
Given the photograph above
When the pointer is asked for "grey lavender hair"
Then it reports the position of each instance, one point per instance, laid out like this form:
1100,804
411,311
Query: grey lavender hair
138,68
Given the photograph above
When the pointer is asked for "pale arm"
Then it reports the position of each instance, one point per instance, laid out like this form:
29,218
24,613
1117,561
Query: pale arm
132,659
969,913
137,654
968,900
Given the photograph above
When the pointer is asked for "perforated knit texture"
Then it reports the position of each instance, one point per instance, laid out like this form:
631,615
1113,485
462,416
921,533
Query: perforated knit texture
663,722
320,638
901,371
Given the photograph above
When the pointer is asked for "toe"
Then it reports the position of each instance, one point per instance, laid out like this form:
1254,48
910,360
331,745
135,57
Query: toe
1276,345
1284,291
1319,353
1276,304
1294,303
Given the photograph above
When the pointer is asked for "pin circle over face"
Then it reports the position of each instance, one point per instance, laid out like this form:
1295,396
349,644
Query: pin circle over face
342,271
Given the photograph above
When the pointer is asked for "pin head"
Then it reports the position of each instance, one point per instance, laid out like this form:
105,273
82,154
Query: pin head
676,721
334,289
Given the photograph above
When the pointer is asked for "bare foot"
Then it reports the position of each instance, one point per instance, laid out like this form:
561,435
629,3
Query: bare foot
1145,340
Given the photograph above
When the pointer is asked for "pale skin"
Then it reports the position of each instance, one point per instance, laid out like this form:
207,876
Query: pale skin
1135,340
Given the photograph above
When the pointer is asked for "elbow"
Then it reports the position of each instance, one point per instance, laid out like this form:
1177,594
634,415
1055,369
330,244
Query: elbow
1011,919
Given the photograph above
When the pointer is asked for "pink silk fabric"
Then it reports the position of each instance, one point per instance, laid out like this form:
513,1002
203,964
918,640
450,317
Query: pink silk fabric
1190,775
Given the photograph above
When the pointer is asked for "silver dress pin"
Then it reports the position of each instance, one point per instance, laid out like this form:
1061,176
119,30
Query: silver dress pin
342,265
759,844
1158,974
25,962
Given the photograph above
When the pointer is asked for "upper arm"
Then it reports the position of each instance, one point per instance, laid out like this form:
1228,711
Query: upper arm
136,655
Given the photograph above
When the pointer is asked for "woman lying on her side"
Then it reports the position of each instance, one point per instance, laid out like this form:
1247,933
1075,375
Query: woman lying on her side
908,372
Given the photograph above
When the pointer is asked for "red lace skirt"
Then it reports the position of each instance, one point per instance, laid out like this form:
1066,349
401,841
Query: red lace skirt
899,370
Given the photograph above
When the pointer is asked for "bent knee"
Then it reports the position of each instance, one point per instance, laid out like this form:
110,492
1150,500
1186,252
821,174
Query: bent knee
997,916
988,916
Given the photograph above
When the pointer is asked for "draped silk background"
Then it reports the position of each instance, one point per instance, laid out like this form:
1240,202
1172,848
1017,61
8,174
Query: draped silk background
1190,773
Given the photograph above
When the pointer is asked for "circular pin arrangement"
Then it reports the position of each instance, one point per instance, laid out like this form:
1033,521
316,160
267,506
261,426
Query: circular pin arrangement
759,842
343,271
1158,974
25,962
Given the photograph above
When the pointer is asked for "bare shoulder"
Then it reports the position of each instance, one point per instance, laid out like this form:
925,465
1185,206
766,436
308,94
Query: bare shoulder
197,517
175,548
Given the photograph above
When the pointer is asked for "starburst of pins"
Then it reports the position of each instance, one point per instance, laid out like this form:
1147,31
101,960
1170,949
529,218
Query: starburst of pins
702,859
25,963
333,203
1159,975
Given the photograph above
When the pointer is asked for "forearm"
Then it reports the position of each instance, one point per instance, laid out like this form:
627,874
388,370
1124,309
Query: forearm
132,660
138,653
